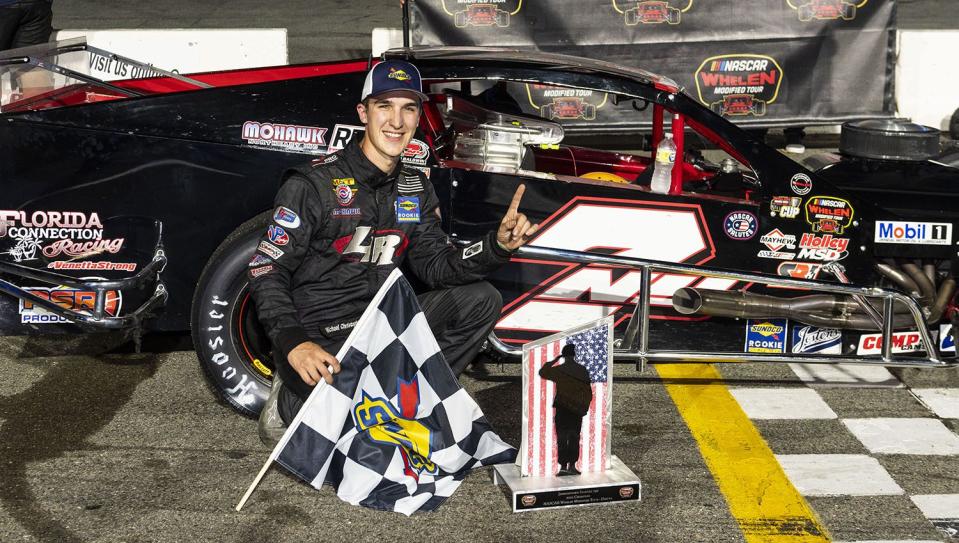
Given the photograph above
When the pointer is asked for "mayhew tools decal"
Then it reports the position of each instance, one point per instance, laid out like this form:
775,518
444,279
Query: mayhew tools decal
481,13
564,103
826,10
652,11
738,85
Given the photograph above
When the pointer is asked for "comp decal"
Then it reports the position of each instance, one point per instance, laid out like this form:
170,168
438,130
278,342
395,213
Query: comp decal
67,298
914,233
288,137
738,85
569,294
902,342
652,11
829,214
825,10
482,13
740,225
766,336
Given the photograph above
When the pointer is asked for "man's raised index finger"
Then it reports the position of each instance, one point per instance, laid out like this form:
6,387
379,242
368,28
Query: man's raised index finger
517,196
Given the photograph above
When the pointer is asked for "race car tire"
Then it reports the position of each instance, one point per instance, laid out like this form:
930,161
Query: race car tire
233,349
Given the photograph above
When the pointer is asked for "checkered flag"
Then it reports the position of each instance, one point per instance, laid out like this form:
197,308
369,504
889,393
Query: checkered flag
394,431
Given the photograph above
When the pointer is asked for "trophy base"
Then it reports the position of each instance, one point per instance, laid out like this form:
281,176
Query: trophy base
618,484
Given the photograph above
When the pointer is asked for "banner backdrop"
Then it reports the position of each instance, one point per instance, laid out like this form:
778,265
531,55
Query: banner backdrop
761,63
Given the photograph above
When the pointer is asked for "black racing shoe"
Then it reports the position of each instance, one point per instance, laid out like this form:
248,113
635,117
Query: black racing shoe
270,426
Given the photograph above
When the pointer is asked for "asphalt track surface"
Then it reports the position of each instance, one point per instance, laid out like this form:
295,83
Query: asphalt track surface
136,448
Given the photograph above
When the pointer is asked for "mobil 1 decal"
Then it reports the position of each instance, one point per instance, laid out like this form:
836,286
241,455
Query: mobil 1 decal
564,104
826,10
652,12
490,14
570,294
739,85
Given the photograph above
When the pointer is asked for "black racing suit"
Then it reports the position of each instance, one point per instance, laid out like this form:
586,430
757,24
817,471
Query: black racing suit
339,228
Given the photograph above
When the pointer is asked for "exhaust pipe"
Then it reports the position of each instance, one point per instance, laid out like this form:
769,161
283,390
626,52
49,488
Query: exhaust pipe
822,310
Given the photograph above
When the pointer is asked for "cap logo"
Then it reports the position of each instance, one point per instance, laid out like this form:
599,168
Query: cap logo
400,75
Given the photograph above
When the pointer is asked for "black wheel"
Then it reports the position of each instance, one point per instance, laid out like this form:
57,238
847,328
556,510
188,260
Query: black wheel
233,348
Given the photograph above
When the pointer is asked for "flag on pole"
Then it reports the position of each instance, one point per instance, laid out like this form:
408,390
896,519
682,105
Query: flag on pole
538,453
395,431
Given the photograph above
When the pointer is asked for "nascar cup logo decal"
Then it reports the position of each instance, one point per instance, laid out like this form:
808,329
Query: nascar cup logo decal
826,10
481,13
738,85
652,11
564,104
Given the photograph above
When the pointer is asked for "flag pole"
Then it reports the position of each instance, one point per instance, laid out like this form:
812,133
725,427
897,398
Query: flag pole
256,481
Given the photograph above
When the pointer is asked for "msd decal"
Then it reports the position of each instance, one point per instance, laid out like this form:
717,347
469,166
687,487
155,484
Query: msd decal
577,293
825,10
67,298
738,85
902,342
653,11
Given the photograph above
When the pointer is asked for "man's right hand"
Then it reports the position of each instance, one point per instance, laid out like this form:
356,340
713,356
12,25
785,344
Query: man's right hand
312,362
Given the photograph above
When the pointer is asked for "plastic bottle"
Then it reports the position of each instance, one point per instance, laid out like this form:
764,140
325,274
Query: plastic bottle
663,167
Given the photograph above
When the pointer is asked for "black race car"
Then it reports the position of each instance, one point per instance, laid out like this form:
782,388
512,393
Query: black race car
135,204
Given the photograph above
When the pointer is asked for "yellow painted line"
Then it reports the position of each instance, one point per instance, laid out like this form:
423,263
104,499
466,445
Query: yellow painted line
761,498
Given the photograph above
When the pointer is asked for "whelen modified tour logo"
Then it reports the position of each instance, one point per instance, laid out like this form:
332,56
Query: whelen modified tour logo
739,85
826,10
561,103
652,11
482,13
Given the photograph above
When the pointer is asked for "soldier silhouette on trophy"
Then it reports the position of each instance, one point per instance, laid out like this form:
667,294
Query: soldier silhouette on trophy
573,396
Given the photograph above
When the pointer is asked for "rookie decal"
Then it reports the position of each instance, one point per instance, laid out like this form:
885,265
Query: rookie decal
285,216
828,214
277,235
408,209
740,225
810,339
916,233
270,250
801,184
473,250
345,190
766,336
786,207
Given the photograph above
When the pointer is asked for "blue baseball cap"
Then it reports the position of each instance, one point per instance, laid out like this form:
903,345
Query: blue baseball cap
393,75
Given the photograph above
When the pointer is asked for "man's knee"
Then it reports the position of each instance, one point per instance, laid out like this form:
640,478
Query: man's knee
485,300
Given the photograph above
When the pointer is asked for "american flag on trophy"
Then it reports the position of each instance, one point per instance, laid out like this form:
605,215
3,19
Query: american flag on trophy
539,451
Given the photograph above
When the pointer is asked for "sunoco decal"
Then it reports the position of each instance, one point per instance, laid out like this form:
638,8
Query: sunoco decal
740,225
825,10
738,85
482,13
916,233
766,336
810,339
67,298
289,137
828,214
653,11
561,103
